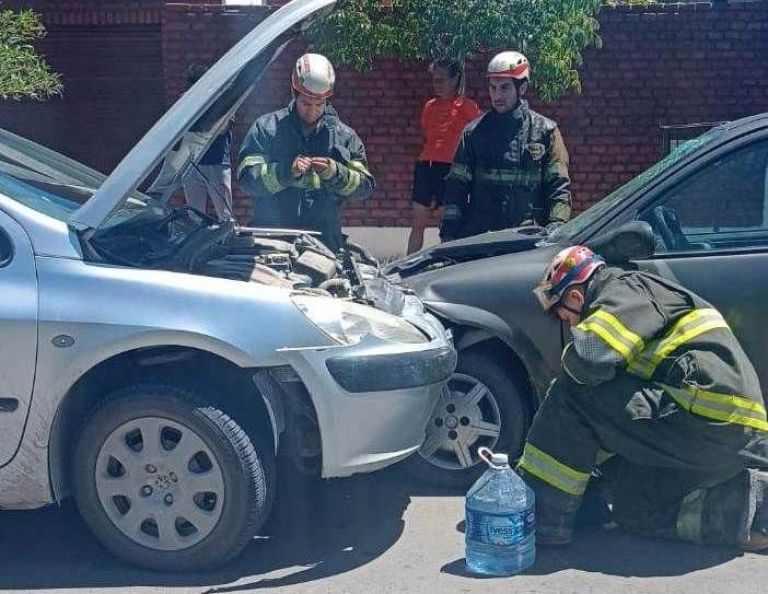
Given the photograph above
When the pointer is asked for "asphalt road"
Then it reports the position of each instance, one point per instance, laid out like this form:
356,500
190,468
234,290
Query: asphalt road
380,533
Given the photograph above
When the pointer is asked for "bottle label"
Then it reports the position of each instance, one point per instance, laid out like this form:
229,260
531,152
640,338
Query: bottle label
499,529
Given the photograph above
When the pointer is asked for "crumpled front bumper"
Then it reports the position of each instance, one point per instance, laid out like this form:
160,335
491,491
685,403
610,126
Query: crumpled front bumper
373,400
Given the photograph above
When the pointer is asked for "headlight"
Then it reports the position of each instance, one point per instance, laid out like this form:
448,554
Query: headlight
348,323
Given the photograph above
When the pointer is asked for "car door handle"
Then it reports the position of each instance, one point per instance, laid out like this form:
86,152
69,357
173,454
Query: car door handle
8,404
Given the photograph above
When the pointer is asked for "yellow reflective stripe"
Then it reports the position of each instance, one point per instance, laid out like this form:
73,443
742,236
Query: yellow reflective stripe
359,166
607,337
732,400
622,330
353,182
250,161
609,328
720,407
511,176
270,180
687,328
553,472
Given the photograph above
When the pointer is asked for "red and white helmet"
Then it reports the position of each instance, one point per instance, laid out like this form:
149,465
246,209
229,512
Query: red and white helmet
571,266
509,65
313,76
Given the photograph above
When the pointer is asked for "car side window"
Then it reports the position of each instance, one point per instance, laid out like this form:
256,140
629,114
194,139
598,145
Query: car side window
722,206
6,248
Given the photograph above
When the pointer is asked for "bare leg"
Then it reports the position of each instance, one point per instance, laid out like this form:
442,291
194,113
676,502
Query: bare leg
418,224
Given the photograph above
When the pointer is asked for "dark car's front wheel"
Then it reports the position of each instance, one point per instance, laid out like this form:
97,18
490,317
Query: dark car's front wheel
481,405
168,482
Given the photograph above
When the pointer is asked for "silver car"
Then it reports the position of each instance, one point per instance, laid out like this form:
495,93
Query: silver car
156,364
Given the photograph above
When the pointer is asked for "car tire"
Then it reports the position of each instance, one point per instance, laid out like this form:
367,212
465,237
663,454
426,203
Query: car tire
504,403
190,499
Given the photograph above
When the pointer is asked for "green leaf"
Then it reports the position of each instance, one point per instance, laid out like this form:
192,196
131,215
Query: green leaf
553,34
23,72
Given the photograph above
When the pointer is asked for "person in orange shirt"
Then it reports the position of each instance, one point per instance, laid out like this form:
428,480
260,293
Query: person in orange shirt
443,119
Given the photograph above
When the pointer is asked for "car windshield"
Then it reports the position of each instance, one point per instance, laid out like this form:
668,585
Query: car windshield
46,181
578,224
43,180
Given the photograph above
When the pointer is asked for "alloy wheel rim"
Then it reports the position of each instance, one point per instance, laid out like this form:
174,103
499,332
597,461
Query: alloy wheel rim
159,483
466,417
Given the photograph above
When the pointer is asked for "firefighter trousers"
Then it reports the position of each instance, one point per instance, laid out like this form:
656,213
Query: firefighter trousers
669,472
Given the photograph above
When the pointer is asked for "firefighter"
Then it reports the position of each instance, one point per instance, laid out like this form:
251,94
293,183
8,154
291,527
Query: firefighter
655,381
299,164
511,166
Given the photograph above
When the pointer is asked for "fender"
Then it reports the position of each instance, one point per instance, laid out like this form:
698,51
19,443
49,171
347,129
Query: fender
484,325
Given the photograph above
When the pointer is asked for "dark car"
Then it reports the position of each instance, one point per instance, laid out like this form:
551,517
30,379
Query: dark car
704,212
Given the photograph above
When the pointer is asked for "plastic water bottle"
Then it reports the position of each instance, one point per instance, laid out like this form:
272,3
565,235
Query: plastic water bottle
499,529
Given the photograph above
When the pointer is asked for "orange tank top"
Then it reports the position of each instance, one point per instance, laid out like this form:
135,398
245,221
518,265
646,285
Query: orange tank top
443,121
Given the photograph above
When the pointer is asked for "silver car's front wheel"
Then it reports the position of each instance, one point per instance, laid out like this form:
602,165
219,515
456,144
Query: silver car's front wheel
169,482
159,483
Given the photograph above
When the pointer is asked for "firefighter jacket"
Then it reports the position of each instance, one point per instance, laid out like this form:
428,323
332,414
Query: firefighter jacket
653,329
312,201
510,169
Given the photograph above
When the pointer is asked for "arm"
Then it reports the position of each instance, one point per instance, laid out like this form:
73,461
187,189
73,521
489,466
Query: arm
350,179
257,172
623,320
457,188
557,183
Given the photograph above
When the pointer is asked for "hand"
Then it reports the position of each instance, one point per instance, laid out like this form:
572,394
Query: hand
324,166
300,166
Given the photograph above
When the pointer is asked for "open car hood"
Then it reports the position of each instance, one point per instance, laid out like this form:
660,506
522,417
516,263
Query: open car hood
199,116
484,245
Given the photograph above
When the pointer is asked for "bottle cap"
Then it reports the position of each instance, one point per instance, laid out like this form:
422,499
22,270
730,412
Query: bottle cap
499,459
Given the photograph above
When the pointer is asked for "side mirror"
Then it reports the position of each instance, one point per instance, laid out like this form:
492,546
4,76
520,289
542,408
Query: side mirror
631,241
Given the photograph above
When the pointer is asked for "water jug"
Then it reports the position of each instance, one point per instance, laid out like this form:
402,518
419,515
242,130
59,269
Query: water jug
499,528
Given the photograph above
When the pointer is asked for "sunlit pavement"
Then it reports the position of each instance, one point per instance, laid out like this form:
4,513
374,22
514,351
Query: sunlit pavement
380,533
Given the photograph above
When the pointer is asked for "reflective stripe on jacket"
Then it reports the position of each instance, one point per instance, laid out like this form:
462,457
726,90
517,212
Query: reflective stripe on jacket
312,201
658,331
509,169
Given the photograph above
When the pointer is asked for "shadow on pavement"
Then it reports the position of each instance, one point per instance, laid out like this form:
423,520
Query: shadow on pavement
317,529
618,553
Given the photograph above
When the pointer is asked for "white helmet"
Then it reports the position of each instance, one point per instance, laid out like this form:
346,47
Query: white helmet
313,76
510,65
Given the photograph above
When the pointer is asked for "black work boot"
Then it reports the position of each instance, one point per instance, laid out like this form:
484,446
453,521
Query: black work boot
758,534
553,529
555,517
555,512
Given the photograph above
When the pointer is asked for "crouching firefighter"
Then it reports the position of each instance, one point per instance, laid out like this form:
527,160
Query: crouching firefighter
299,164
655,377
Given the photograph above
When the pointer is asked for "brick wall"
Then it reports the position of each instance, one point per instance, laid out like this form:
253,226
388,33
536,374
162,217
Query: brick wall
668,65
109,56
662,65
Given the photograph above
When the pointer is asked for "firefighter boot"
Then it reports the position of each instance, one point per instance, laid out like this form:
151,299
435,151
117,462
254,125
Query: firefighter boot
555,517
758,535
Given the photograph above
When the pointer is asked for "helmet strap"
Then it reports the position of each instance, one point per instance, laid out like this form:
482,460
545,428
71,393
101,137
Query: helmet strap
576,312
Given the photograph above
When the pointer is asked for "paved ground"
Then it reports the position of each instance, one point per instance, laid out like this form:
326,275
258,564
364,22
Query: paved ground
367,534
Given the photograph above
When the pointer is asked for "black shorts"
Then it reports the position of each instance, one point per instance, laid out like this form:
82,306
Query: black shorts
429,182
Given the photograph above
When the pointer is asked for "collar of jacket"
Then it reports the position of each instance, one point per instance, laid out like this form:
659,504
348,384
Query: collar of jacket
329,117
512,118
594,286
